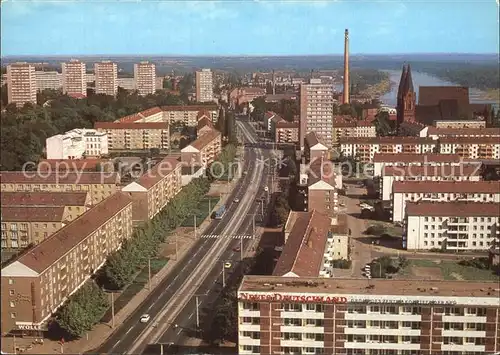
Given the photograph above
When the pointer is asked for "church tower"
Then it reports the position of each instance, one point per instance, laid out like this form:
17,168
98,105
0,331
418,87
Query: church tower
407,98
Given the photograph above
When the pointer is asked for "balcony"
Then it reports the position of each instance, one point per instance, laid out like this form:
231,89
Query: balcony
385,331
385,346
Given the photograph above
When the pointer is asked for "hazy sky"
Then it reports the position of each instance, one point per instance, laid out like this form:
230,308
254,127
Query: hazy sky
67,27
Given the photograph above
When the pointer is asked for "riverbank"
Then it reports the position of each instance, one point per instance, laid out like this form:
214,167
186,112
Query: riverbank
491,94
378,89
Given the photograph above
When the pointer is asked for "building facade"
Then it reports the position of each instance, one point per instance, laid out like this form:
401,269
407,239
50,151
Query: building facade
21,84
106,78
145,78
316,111
74,78
364,149
26,225
443,191
286,132
151,193
48,80
390,174
77,144
99,185
204,86
135,136
318,184
204,150
407,98
278,315
471,147
437,133
314,148
352,129
380,160
459,124
189,115
36,284
453,226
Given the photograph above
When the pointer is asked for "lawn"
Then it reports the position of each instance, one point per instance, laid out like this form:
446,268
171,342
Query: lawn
136,286
451,270
204,208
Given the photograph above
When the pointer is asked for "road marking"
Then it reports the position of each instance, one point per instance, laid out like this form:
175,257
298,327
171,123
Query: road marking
205,266
179,332
190,316
128,331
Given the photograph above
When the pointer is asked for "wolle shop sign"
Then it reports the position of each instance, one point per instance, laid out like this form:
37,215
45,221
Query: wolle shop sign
278,297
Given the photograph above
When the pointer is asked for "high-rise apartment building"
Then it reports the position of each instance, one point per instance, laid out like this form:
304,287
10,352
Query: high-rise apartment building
21,84
106,78
316,111
204,86
74,79
145,78
48,80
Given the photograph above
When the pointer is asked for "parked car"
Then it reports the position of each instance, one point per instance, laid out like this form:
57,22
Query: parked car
145,318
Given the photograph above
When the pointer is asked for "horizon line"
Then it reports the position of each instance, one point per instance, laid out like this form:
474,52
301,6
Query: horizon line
246,55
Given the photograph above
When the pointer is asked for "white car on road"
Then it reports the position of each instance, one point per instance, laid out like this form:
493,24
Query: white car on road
145,318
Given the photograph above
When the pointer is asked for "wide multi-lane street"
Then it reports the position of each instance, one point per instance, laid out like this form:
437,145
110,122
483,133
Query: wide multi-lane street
211,287
173,298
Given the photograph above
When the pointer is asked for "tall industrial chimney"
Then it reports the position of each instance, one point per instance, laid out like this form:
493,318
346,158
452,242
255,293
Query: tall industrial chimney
345,98
274,84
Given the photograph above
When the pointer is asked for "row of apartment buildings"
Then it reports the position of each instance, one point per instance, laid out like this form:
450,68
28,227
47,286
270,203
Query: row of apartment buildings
23,81
441,200
470,147
307,315
75,220
142,131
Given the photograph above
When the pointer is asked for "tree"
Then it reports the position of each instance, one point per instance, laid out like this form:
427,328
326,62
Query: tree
84,309
383,124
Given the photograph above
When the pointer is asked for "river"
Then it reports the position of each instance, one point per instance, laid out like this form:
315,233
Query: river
423,79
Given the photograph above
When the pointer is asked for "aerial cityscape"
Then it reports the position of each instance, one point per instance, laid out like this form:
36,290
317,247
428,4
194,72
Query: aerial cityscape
250,177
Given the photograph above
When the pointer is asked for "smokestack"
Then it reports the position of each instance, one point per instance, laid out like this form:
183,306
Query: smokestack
274,84
345,99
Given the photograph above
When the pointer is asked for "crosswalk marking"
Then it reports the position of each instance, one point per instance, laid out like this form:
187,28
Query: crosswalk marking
213,236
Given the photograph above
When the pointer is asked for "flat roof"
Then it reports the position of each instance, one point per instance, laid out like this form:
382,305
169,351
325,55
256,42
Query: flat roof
346,286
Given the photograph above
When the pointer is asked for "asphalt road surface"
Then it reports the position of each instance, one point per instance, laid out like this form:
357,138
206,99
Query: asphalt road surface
127,334
211,287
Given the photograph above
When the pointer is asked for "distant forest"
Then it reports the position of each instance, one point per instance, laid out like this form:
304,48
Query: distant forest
484,77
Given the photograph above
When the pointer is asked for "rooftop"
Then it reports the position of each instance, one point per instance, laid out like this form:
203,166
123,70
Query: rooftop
474,187
469,140
415,158
43,198
387,140
382,287
60,243
492,132
151,111
189,108
428,170
70,164
286,124
452,209
158,172
32,213
131,125
303,252
204,122
312,139
30,177
205,139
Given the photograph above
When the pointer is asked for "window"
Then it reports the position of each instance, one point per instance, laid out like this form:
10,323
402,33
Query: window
11,292
13,315
11,282
12,304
